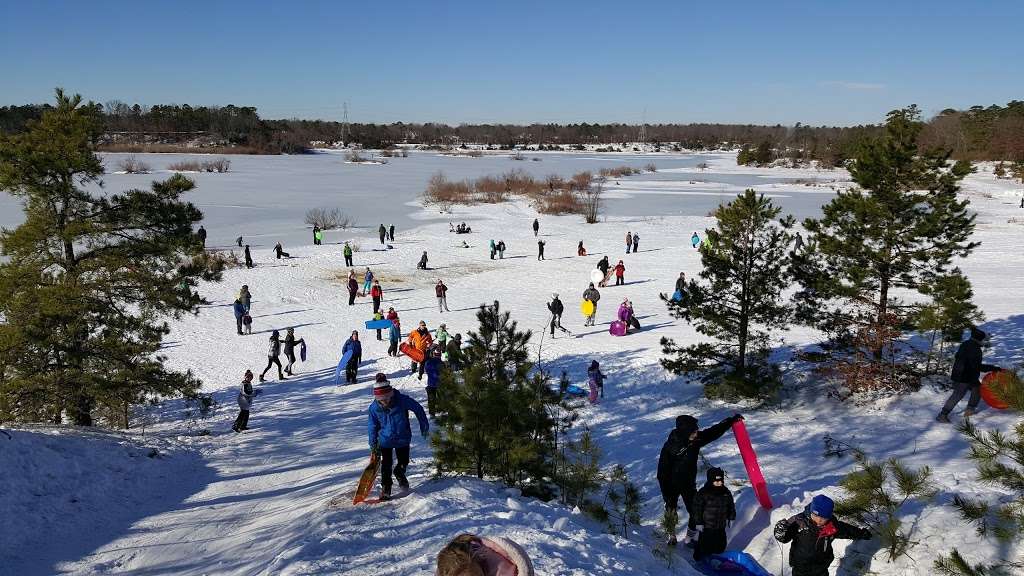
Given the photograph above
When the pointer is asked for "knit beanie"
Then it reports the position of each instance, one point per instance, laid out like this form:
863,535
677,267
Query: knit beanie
715,473
822,505
978,334
381,386
686,423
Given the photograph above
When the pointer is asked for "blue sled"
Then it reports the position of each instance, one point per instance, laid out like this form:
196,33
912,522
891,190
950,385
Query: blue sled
341,367
383,324
732,563
576,390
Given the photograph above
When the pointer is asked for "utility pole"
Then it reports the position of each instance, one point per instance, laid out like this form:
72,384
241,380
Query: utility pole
344,124
643,131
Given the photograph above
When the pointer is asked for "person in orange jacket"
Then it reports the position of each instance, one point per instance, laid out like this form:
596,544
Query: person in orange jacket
420,339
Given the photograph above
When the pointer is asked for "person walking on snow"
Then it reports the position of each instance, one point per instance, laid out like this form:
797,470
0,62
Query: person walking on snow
352,367
289,349
422,265
391,233
798,243
238,241
596,380
390,433
501,249
556,308
620,271
347,252
695,240
713,510
441,291
248,257
441,337
454,352
382,232
421,340
494,248
353,288
239,310
316,235
367,281
636,243
279,251
432,366
967,368
273,356
245,396
536,227
811,533
378,315
591,295
376,293
580,250
540,249
681,283
245,297
629,241
677,465
603,265
201,235
394,336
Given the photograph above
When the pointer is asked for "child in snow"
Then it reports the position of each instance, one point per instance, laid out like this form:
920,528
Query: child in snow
629,241
596,380
580,250
352,368
245,297
367,281
391,233
695,240
316,235
603,266
471,555
556,308
280,251
390,433
636,243
376,293
247,323
540,249
441,291
811,533
423,261
353,288
536,227
620,273
273,356
494,248
501,249
289,349
432,366
378,315
245,396
454,352
394,336
713,510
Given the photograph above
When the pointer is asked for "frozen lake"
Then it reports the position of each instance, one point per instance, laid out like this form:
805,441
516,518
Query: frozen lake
265,198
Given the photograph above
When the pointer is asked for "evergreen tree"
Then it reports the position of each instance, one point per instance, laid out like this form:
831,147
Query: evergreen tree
738,300
896,232
949,313
87,278
498,420
621,501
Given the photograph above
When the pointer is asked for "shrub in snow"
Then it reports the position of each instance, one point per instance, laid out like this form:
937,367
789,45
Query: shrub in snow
131,165
328,218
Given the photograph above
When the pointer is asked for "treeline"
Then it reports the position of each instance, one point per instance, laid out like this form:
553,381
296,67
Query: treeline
978,133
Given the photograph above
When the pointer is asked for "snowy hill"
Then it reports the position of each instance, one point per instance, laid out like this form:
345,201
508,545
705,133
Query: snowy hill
95,502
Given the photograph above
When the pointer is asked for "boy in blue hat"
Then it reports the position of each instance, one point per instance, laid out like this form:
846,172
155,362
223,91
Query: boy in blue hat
812,532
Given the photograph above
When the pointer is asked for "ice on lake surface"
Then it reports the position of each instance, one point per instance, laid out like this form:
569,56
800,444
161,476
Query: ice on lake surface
265,198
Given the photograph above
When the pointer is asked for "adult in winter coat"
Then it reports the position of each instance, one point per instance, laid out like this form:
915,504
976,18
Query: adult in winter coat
376,293
273,356
391,233
636,243
603,265
798,243
453,350
245,297
494,248
432,366
390,433
620,273
629,241
681,283
201,235
536,227
382,232
238,241
811,533
289,349
967,368
245,396
580,250
677,464
422,265
239,310
595,378
469,554
556,308
695,240
279,251
441,291
316,235
353,289
592,295
420,339
347,252
352,367
248,257
713,510
540,249
501,249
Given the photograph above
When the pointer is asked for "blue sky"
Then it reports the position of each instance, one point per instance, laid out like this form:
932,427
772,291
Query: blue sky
827,62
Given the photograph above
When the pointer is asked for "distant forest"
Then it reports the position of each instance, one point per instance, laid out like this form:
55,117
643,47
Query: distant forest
979,133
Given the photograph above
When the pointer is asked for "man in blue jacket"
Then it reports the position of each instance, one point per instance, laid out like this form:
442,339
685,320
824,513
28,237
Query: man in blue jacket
239,309
389,429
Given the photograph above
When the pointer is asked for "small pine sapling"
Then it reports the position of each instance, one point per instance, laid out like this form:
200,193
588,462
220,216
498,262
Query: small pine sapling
581,470
621,501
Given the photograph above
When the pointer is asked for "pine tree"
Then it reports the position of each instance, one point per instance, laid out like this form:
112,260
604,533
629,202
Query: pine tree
897,231
621,501
949,313
498,420
738,300
87,279
580,471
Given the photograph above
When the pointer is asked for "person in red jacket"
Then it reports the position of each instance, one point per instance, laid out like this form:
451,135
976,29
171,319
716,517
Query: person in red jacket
620,271
376,292
441,292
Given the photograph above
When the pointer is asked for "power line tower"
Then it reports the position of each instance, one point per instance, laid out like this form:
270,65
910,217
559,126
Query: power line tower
344,124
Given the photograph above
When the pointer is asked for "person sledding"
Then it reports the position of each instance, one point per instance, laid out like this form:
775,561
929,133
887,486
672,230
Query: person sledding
811,533
680,293
967,368
677,466
713,510
390,432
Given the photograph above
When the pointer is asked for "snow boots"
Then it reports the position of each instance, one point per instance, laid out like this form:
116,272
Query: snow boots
385,493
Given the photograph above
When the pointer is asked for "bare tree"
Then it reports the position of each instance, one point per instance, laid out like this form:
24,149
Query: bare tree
132,165
328,218
592,201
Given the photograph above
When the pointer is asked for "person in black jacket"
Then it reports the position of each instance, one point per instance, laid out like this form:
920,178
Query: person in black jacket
540,249
201,235
967,367
812,532
713,510
289,349
248,257
556,309
677,464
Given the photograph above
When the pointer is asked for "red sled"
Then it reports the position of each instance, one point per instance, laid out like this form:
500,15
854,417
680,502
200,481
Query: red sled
411,351
739,429
991,382
618,328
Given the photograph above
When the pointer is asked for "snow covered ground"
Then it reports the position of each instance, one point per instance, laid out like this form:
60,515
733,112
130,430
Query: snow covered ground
104,503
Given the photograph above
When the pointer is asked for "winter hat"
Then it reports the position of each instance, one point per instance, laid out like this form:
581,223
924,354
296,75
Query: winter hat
248,375
977,334
715,473
381,386
821,505
686,423
594,365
